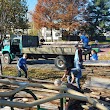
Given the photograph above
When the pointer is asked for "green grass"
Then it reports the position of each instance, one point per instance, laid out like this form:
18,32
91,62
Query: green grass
42,74
108,39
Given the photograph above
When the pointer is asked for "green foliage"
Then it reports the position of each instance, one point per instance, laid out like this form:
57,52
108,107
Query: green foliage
97,16
13,15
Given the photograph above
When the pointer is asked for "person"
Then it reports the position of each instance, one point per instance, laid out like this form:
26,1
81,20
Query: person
21,65
19,34
96,43
68,74
42,40
94,55
76,71
72,104
84,40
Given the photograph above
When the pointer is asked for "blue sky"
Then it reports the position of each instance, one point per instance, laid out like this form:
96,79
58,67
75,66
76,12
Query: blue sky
31,6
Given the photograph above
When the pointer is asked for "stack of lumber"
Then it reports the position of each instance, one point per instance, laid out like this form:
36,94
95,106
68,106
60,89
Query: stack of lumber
98,88
98,83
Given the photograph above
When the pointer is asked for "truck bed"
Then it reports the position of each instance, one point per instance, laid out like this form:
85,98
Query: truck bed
55,48
67,50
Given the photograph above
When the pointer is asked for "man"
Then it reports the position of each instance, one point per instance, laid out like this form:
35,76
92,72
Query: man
21,65
84,40
42,40
76,71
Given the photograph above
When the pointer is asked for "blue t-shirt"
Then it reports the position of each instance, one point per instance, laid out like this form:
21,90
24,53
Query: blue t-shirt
21,62
84,39
94,57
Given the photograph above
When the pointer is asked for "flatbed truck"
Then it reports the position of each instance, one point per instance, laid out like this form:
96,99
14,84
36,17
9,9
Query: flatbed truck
62,54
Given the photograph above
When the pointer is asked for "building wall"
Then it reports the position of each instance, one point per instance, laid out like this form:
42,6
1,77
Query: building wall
56,34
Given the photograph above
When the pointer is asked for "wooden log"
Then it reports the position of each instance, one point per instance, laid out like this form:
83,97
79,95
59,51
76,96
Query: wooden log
25,79
96,63
98,82
41,101
70,94
7,94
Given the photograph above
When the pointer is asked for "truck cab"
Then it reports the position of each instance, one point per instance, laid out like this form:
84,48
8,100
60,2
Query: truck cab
14,47
11,50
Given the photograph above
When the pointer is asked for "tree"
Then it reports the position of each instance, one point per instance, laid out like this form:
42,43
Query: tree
97,16
13,15
57,14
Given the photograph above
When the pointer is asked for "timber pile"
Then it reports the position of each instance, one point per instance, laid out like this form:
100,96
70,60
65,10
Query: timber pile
97,63
98,88
92,88
39,92
97,83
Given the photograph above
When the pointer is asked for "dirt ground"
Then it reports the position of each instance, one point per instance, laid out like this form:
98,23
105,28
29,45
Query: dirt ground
101,72
104,54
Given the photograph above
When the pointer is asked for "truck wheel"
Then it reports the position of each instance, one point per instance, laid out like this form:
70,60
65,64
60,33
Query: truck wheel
6,58
60,62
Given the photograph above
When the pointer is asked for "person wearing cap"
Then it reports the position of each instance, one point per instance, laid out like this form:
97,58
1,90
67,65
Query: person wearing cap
76,72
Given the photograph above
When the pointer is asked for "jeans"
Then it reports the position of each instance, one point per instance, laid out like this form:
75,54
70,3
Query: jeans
69,78
77,73
85,45
25,71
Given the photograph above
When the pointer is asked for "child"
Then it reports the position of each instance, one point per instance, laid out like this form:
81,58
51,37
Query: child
22,65
94,55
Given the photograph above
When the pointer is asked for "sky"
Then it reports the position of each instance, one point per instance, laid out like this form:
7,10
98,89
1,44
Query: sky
31,6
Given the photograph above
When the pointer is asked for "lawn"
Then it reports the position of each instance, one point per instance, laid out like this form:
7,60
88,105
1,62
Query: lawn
34,73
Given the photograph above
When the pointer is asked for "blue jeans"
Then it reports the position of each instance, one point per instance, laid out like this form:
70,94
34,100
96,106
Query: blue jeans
77,73
25,71
85,45
69,78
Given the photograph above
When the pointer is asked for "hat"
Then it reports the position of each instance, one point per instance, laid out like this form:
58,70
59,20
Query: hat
57,82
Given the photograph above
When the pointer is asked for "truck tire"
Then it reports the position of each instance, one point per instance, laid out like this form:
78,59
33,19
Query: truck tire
60,62
6,58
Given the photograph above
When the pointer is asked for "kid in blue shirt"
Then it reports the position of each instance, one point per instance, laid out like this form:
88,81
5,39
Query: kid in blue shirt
84,40
22,65
94,55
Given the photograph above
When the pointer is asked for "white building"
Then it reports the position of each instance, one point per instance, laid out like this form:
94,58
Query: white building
56,34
